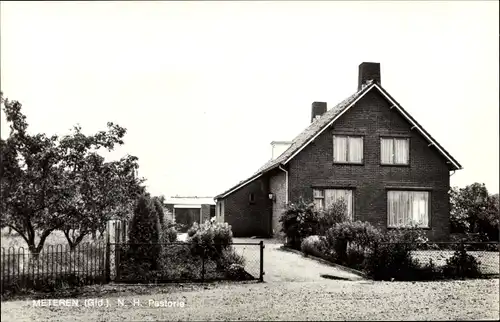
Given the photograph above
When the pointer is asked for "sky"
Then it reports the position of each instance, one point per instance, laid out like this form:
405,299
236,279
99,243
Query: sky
204,87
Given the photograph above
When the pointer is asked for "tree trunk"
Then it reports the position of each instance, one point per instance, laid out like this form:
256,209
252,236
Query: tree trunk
73,243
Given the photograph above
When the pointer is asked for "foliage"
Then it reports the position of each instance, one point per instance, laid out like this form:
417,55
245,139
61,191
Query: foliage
462,265
52,183
210,239
391,261
356,236
299,221
144,233
158,205
302,219
313,245
392,254
474,211
169,235
334,214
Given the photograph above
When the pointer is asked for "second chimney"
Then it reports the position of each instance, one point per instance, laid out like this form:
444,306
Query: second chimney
368,72
318,109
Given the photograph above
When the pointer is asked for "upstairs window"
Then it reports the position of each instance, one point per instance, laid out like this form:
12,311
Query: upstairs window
395,151
347,149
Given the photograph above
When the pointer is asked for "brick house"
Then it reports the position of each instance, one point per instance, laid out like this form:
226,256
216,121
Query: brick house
367,150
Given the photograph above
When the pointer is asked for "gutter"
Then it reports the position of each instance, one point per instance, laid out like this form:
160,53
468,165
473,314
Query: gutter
286,183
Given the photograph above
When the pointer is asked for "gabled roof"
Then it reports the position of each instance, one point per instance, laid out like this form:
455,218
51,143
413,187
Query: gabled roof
325,121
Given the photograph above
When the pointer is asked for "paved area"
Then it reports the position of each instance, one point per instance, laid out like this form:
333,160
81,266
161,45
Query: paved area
283,266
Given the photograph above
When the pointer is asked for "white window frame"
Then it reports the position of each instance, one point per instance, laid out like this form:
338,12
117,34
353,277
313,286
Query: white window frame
347,148
319,194
393,159
408,225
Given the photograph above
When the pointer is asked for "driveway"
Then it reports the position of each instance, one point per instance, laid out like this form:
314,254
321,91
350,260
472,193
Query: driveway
283,266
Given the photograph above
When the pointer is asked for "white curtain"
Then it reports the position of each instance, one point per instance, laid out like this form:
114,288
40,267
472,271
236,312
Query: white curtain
333,195
408,207
340,149
387,151
401,151
356,149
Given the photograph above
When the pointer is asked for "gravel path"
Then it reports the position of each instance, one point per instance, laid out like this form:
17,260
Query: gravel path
325,300
283,266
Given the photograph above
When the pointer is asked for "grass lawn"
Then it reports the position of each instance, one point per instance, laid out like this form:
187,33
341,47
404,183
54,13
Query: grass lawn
324,300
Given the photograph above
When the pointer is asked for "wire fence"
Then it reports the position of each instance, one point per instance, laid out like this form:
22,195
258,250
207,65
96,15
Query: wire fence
441,254
181,262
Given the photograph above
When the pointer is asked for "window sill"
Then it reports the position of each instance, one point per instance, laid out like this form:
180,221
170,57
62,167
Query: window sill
395,165
348,163
401,228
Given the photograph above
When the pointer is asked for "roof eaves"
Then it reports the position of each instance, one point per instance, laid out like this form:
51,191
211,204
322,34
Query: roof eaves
424,133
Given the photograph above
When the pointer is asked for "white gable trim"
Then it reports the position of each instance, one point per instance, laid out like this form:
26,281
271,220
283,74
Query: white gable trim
239,186
328,125
394,104
419,128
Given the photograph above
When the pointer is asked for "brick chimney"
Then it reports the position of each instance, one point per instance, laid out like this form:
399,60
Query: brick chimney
318,108
368,72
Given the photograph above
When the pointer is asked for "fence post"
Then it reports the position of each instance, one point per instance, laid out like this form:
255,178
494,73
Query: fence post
261,276
107,264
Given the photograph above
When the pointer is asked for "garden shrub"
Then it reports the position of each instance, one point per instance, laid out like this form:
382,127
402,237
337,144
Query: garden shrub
462,265
357,237
230,257
299,221
169,235
313,245
391,261
210,239
144,234
391,257
334,214
158,207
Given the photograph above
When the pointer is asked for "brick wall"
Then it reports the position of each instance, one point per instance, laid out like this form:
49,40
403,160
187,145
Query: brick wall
371,117
249,218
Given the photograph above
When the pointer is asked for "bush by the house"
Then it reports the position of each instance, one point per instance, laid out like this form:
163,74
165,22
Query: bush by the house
313,245
210,239
349,242
169,235
334,214
299,221
302,220
391,257
144,234
461,265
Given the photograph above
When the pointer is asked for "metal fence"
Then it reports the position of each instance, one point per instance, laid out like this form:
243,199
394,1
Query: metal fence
53,267
182,262
486,254
101,262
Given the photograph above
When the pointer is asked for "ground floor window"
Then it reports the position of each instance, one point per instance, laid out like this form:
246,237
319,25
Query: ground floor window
407,208
323,198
